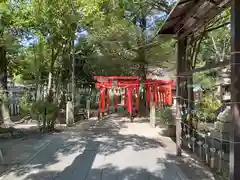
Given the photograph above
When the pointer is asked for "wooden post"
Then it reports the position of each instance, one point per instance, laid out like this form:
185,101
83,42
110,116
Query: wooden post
148,89
103,100
164,96
108,100
73,77
235,92
125,98
189,95
161,98
99,104
137,100
170,94
181,49
129,102
155,95
115,100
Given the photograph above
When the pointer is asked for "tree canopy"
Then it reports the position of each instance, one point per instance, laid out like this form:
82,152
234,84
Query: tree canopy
41,39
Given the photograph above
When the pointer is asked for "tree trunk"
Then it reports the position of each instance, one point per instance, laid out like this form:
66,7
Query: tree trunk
49,88
37,72
5,112
50,91
143,108
50,76
72,49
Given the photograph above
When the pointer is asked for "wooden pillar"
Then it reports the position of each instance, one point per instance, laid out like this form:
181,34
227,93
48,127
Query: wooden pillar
137,99
100,104
125,98
170,94
148,91
164,96
115,100
108,100
155,95
235,92
181,50
103,93
190,94
129,101
161,97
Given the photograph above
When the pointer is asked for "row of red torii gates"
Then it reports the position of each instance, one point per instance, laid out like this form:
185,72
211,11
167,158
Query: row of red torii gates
159,91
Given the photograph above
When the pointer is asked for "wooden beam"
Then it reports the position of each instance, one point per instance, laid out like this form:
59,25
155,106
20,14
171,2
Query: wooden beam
180,58
189,14
206,19
205,68
234,164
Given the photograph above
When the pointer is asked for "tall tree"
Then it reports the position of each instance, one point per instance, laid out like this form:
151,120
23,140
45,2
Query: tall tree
4,25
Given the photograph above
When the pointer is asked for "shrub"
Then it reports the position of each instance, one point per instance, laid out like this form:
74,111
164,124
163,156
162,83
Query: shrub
42,111
25,104
46,113
207,109
166,115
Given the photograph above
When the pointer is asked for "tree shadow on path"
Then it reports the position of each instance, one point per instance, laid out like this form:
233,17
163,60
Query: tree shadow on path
71,155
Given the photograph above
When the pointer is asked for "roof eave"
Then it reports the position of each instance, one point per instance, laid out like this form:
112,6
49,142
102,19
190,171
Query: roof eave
162,30
168,26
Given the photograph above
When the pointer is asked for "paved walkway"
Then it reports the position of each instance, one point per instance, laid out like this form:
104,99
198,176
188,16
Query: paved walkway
111,149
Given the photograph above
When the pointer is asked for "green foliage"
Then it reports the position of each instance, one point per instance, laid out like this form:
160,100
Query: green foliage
118,42
42,111
165,115
206,81
4,16
26,104
43,107
207,109
46,113
110,48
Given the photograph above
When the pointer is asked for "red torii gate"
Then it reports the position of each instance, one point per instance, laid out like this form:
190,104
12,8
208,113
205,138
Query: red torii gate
160,91
105,83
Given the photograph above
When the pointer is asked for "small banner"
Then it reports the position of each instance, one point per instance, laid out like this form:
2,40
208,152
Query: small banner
114,84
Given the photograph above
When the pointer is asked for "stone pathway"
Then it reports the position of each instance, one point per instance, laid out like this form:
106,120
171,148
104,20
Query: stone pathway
17,151
112,149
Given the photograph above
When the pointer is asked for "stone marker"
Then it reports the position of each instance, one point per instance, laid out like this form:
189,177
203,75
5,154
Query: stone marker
69,113
88,108
152,113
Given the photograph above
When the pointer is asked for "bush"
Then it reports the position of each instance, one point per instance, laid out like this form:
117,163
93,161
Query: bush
46,113
42,111
25,104
206,111
166,115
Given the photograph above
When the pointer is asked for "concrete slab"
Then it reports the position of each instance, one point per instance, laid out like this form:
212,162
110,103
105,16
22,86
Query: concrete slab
114,150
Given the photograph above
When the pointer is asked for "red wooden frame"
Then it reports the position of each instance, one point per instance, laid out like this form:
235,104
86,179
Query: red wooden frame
104,83
161,91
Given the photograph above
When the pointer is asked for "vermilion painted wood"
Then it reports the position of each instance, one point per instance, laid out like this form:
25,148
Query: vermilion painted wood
162,90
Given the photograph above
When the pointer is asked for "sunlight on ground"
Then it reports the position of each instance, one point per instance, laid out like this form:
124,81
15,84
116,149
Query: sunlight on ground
115,149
